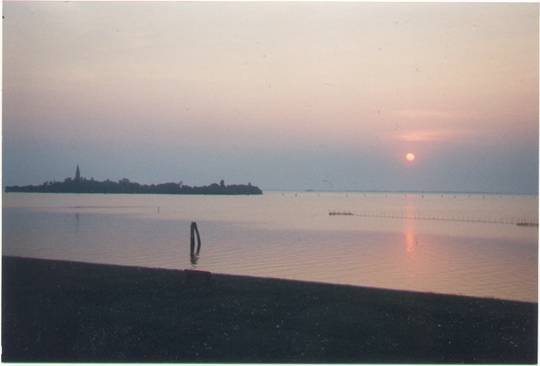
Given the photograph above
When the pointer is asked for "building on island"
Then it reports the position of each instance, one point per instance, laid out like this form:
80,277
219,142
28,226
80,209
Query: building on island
77,174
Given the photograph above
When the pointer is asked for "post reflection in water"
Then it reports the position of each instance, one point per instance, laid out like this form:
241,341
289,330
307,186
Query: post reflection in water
77,220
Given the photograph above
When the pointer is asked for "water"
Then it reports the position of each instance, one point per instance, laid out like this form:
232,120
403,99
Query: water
429,242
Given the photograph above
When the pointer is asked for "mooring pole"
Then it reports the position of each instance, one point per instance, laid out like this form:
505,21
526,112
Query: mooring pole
194,252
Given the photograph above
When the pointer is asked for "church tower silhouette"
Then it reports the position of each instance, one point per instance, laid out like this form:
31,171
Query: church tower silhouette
77,174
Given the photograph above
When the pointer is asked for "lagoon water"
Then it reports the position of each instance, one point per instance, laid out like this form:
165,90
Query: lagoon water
445,243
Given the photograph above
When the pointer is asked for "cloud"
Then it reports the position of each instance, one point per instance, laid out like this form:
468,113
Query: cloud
422,114
429,135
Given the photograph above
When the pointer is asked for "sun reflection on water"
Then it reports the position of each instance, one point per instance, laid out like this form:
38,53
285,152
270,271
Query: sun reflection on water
410,239
409,232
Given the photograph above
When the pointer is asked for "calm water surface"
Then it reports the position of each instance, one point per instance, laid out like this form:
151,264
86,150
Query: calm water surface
429,242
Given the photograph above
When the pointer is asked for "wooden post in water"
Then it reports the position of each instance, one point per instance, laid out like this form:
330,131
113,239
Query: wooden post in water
194,252
194,277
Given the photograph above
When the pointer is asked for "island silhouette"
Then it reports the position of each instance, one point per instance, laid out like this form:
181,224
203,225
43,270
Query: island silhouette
79,184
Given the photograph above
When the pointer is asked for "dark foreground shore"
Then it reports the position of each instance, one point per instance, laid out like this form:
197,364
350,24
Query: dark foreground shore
65,311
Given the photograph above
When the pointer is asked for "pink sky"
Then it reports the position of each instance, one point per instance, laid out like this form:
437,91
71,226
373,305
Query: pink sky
244,83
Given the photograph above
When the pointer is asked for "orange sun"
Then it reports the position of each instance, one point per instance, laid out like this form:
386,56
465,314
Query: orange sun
410,157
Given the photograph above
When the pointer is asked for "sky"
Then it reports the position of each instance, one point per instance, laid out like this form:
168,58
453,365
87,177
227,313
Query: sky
287,96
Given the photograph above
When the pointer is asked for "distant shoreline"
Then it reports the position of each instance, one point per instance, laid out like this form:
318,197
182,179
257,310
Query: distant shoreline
124,186
312,191
58,311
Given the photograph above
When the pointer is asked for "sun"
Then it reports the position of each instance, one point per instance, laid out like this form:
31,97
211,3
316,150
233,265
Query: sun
410,157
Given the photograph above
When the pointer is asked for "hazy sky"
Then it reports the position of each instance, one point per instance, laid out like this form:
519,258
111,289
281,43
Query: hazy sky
283,95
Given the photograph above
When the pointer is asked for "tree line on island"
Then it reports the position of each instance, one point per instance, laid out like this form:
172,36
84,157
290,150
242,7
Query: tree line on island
80,184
